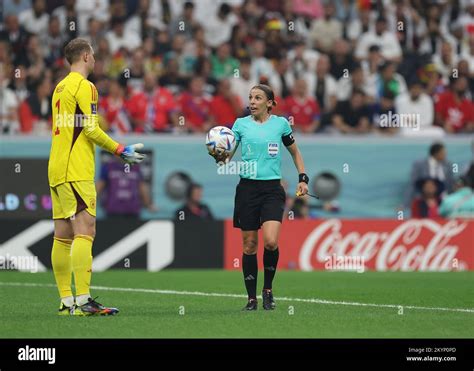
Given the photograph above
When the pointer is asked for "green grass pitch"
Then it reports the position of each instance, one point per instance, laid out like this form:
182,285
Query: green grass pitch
185,311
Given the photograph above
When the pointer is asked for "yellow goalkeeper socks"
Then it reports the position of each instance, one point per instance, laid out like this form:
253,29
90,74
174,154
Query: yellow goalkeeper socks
62,268
82,265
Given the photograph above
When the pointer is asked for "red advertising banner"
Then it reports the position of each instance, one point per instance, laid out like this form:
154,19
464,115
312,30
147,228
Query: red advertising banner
382,245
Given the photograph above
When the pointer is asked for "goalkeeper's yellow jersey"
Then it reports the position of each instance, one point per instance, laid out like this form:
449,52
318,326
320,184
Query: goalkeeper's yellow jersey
75,131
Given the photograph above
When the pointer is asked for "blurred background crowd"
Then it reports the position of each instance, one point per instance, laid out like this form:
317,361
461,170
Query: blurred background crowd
179,66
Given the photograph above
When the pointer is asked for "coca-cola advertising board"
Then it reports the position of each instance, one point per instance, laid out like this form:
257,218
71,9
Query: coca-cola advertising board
381,245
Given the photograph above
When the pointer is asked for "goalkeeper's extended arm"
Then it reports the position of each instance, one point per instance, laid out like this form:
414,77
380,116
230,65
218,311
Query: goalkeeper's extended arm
87,98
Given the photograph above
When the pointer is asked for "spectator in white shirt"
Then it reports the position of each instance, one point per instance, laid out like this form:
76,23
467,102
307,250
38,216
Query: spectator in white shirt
302,60
386,40
360,25
35,20
417,106
354,81
468,54
243,84
282,80
261,66
218,28
86,9
8,107
327,30
322,85
117,38
445,62
68,18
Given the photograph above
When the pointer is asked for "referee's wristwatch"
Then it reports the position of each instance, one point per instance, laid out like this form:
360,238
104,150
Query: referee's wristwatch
303,178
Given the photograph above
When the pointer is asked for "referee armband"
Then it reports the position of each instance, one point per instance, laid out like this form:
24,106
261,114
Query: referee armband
288,140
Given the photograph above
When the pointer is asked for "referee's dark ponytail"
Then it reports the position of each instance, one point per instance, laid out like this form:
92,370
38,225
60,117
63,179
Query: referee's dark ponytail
268,93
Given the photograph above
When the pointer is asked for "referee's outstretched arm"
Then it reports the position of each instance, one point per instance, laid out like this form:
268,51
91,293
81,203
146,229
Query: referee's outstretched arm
302,187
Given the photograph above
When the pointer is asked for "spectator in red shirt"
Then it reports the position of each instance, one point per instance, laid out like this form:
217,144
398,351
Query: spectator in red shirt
195,106
427,204
226,106
455,112
112,109
303,110
153,109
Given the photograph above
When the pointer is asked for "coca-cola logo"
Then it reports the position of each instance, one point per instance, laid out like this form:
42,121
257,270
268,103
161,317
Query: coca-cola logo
416,244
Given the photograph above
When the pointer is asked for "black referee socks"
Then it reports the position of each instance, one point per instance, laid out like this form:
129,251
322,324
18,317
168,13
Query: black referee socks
270,261
250,269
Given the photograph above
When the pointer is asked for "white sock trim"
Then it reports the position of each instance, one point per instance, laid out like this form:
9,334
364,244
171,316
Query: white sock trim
68,301
82,299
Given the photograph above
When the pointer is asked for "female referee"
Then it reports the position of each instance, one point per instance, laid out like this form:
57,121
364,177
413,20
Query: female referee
260,198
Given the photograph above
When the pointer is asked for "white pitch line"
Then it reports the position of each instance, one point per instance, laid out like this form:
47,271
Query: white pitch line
216,294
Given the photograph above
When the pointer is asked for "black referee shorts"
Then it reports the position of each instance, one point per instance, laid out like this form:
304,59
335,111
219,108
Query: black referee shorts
258,201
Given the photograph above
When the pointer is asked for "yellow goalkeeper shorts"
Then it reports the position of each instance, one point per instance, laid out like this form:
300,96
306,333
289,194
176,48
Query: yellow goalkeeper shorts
72,197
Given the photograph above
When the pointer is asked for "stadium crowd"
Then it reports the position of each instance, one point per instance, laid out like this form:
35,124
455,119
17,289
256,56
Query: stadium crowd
178,66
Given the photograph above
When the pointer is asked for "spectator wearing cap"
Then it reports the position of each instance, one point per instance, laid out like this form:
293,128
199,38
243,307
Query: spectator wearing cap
118,38
274,39
352,116
325,31
454,111
435,166
417,104
387,41
426,205
459,204
303,110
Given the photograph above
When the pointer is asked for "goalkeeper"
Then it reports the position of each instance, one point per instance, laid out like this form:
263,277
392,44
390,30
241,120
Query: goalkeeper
75,132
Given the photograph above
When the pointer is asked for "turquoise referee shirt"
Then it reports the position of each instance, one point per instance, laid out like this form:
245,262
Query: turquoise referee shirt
261,146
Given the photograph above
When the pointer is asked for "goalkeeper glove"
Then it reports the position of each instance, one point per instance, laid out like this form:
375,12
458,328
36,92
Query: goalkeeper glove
128,153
